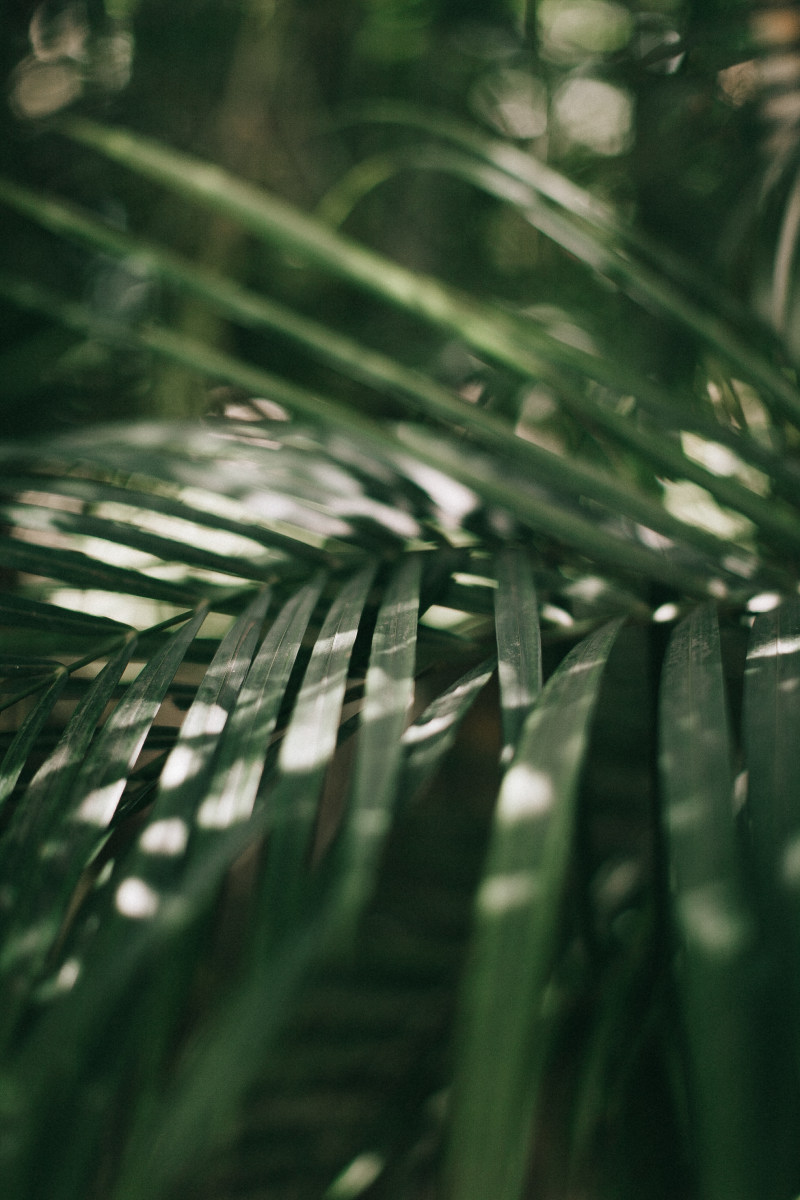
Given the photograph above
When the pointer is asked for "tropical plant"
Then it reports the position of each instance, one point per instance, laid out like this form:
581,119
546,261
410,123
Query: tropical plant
398,781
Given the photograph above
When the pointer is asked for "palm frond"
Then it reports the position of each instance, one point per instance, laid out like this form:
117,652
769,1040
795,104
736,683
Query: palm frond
298,899
518,907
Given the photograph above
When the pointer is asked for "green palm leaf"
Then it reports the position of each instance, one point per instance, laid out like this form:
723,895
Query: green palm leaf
716,931
348,845
504,1027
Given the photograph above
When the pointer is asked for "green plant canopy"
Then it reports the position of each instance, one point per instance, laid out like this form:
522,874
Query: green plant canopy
399,618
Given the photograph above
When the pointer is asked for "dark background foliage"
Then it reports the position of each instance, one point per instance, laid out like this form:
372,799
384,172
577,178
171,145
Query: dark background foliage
282,95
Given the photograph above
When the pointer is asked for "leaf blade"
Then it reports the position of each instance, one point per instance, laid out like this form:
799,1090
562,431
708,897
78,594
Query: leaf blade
498,1066
714,927
519,644
389,691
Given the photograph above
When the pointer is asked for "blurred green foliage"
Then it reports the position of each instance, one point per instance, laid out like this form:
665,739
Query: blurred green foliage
282,94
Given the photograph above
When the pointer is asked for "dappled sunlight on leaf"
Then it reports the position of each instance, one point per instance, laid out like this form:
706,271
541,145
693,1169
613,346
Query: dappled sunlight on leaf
595,114
136,899
573,28
231,792
434,731
513,101
500,894
434,725
185,763
790,865
168,836
453,501
776,648
67,975
99,806
357,1177
696,506
137,612
526,794
311,736
764,602
711,919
